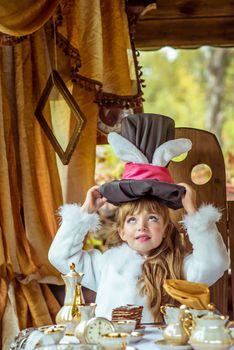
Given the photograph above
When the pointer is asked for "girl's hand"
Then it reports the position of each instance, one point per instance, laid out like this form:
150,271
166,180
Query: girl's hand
93,200
189,199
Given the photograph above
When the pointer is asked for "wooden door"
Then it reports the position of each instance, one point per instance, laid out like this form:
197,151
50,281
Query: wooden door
206,150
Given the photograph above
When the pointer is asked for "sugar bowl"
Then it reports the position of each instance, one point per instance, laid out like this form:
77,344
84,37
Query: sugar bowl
210,332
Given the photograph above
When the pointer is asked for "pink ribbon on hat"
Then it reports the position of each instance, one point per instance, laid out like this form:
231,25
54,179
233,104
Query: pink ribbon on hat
137,171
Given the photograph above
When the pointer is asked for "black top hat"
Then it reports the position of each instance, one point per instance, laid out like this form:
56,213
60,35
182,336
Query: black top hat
147,145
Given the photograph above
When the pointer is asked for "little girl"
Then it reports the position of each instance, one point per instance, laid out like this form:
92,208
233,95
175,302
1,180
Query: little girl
148,247
150,251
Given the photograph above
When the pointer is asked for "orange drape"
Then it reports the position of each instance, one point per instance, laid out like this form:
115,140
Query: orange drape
25,16
30,189
33,181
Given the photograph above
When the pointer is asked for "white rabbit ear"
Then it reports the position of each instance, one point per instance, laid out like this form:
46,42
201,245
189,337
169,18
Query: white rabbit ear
170,149
126,150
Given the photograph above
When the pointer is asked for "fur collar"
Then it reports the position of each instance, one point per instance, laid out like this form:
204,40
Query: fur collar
122,256
118,283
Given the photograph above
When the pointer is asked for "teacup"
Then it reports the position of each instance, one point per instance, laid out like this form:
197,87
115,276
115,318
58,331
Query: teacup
115,341
125,326
55,331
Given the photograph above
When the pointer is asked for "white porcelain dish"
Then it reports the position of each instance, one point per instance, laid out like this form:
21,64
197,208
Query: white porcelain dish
55,331
124,325
114,340
162,345
70,347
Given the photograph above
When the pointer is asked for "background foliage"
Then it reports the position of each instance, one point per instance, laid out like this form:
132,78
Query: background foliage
195,88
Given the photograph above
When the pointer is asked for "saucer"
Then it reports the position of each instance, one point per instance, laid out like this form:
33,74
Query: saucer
136,336
162,344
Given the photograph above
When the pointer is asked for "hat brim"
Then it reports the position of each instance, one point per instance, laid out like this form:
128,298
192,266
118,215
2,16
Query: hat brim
121,191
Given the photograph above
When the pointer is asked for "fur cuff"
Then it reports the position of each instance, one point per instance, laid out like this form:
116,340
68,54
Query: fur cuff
72,215
206,215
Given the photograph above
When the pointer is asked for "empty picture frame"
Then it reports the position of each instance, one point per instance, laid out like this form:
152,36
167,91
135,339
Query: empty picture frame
55,80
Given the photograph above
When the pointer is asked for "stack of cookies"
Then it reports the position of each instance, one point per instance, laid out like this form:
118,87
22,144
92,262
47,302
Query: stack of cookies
128,312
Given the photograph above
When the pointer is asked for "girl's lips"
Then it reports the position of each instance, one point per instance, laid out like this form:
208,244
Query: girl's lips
143,238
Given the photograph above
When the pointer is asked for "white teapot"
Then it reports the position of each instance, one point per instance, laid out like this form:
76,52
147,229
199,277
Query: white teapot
210,332
69,314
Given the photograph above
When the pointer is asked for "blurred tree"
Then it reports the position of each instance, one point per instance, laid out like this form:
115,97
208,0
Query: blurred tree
216,72
173,80
108,166
194,87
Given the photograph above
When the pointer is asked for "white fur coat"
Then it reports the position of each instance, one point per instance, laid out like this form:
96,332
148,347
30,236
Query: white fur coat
114,274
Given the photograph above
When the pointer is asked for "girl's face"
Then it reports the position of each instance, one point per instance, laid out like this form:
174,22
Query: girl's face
143,231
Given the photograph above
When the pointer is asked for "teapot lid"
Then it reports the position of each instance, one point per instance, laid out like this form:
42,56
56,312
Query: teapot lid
73,272
211,314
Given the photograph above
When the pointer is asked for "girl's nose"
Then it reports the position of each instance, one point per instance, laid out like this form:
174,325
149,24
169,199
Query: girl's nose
141,225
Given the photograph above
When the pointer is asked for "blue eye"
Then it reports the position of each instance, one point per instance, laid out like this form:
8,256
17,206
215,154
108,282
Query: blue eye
131,220
153,218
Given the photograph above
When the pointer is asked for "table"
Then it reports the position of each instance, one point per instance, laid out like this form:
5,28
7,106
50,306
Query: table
151,334
146,343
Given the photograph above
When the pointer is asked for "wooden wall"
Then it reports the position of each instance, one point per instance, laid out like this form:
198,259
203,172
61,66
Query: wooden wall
186,23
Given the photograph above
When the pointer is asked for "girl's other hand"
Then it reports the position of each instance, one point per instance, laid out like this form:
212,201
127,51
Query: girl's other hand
189,199
93,200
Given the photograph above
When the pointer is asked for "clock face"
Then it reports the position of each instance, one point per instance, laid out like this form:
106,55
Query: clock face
95,327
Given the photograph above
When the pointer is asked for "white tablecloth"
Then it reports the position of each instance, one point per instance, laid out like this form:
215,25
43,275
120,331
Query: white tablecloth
151,334
147,342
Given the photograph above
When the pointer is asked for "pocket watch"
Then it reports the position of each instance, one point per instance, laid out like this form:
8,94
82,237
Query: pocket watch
95,327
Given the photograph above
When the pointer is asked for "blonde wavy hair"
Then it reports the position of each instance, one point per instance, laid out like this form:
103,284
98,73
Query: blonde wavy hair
164,262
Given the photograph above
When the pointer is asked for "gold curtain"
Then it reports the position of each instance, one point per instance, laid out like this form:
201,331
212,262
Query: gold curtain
98,30
30,176
26,16
30,191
